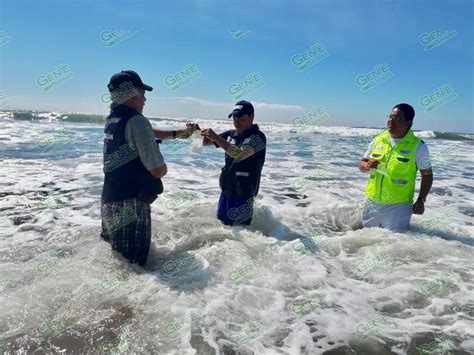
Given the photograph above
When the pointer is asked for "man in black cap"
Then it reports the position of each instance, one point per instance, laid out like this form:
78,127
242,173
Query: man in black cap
239,181
133,167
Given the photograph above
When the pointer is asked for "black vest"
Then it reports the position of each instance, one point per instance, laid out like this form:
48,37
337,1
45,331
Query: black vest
241,178
125,175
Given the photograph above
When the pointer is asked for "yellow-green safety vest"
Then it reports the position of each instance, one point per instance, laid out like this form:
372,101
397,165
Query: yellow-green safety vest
394,179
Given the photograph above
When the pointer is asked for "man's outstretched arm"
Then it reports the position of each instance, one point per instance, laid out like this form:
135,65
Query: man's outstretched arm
180,133
210,135
231,149
206,141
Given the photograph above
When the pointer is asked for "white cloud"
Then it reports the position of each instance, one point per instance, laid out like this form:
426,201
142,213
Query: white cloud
207,103
189,106
265,106
202,102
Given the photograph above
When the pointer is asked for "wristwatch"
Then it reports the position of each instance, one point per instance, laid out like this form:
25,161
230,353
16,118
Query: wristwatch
421,199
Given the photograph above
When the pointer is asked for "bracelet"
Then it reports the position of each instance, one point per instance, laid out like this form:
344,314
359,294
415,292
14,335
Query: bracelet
174,134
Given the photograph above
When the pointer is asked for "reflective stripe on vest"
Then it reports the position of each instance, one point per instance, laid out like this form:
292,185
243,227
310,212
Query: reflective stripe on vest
394,179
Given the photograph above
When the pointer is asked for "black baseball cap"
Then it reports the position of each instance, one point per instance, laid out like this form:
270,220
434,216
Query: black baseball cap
124,76
241,108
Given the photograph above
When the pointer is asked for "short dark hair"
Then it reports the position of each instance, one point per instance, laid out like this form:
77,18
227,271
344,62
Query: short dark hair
407,110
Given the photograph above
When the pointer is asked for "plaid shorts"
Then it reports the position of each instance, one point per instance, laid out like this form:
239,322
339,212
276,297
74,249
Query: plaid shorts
126,225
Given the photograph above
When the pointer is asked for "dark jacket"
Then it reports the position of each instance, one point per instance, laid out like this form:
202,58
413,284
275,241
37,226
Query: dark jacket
241,178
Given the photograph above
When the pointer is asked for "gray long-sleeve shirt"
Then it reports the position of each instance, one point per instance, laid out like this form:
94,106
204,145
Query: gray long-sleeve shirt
139,134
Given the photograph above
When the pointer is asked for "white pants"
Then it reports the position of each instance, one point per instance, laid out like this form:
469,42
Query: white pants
395,217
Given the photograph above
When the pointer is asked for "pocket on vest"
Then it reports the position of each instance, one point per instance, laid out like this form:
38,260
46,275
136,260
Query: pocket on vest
402,165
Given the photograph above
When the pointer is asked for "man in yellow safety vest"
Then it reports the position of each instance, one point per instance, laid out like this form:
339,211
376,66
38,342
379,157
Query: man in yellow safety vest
392,160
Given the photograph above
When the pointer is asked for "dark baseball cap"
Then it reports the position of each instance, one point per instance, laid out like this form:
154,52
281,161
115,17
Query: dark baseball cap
124,76
241,108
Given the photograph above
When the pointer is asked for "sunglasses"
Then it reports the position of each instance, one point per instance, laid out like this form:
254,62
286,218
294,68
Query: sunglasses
395,118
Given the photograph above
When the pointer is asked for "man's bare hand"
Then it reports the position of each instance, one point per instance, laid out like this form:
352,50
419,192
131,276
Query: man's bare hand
372,164
189,130
193,126
209,134
365,165
418,207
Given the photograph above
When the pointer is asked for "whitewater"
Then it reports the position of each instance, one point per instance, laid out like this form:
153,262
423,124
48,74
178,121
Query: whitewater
304,278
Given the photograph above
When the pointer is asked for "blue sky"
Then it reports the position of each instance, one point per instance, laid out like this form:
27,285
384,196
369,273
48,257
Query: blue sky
165,36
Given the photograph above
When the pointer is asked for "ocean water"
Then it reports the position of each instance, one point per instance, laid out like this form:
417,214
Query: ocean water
304,278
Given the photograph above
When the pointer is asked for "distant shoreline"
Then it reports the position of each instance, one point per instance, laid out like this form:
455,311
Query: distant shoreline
27,115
